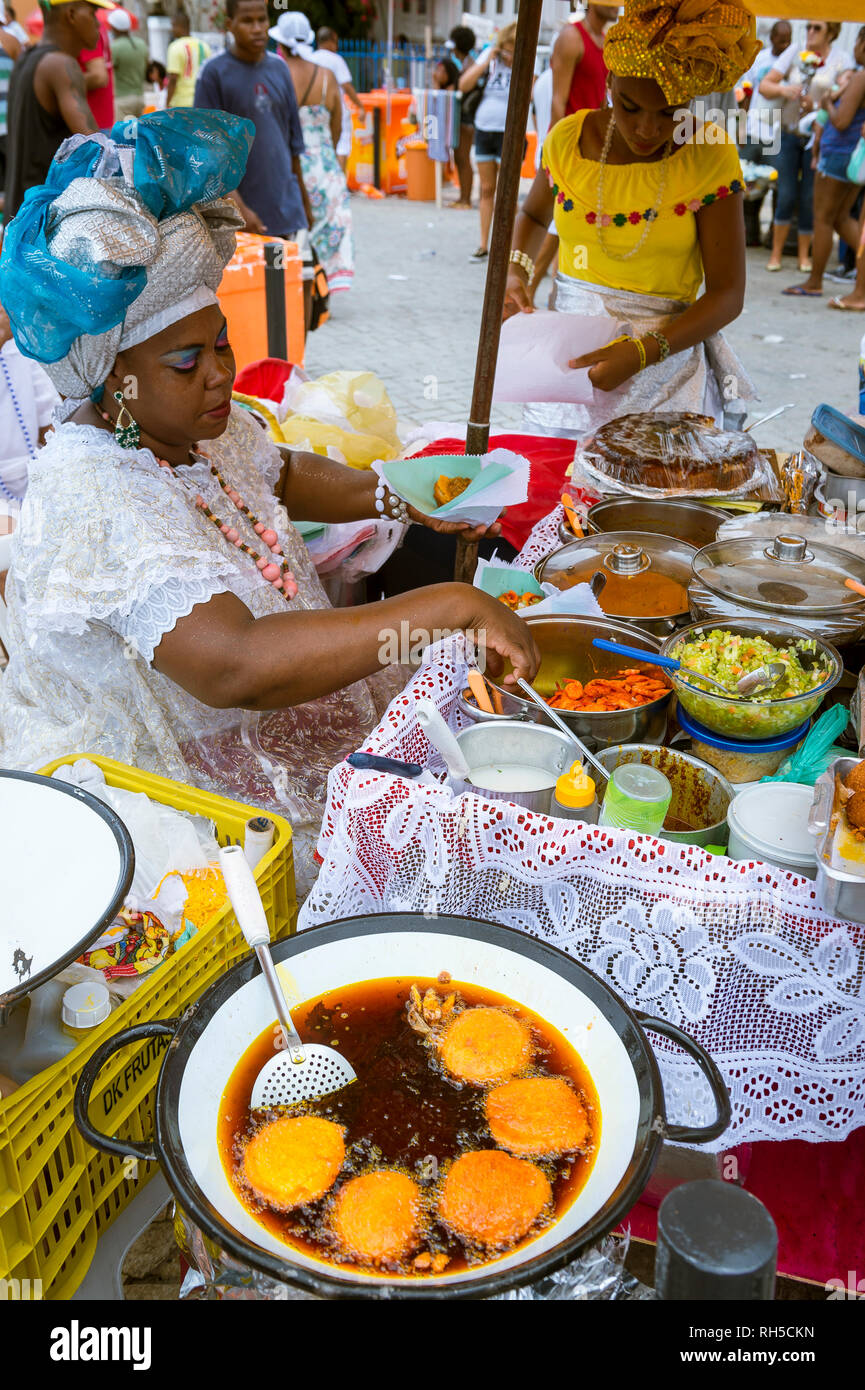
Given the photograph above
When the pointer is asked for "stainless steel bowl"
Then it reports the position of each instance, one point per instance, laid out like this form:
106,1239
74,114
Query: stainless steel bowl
696,523
565,644
517,741
701,794
631,556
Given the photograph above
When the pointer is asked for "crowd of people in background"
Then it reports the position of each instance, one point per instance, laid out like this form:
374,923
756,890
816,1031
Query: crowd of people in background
81,75
81,65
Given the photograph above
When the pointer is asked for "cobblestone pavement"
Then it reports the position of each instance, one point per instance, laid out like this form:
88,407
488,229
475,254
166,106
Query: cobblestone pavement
413,316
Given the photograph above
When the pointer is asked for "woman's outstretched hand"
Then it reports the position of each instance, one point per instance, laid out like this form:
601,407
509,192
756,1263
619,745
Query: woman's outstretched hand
504,636
455,528
517,298
609,366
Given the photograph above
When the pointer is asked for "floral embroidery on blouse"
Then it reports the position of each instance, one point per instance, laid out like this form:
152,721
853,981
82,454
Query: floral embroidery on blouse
635,217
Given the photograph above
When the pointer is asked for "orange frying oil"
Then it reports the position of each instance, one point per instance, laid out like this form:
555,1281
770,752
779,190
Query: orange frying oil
403,1111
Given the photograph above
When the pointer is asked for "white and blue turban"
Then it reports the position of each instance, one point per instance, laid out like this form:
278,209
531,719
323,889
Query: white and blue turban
129,233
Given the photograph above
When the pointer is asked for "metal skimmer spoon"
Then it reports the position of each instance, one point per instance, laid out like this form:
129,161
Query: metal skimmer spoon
303,1071
764,678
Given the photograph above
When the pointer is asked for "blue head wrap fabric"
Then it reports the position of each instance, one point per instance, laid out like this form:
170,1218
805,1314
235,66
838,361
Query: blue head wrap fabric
129,233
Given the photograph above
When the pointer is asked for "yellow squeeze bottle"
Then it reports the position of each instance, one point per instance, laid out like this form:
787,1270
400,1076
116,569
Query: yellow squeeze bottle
574,797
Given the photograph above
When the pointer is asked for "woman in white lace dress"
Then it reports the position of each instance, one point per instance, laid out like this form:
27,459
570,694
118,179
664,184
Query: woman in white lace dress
163,610
320,106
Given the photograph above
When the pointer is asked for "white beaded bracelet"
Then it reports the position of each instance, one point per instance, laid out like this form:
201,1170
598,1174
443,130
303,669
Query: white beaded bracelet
398,508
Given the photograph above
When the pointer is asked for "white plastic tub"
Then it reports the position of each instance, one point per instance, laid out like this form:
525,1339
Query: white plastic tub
769,821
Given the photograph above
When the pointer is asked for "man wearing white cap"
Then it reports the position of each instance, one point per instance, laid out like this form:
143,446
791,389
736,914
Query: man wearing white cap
130,57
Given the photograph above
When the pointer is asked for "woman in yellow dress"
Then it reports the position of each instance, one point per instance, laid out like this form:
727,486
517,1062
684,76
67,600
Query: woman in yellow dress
647,205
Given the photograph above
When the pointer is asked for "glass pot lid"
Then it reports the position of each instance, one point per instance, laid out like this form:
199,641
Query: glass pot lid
785,572
626,554
645,575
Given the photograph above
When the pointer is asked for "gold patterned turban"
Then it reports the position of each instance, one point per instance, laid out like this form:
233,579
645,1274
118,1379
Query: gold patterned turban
690,49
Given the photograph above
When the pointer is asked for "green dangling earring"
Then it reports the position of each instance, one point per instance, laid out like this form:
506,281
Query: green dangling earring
128,434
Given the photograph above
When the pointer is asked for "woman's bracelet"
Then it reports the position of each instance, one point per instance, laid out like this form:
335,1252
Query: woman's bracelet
663,345
521,258
398,509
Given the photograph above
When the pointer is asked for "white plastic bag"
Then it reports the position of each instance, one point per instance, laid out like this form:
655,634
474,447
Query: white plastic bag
163,839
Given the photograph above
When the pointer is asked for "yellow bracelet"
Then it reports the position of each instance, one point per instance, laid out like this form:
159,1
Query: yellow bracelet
641,351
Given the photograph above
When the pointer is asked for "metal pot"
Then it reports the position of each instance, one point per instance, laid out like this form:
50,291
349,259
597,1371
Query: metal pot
701,795
693,522
209,1040
565,644
628,557
518,741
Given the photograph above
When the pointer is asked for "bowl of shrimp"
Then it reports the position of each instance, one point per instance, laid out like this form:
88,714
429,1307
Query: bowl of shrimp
507,1111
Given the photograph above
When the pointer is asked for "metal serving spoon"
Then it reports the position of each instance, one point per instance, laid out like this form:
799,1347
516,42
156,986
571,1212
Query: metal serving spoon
303,1071
764,678
562,727
773,415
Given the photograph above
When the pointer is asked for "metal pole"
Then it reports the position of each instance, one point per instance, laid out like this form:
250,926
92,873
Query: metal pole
507,192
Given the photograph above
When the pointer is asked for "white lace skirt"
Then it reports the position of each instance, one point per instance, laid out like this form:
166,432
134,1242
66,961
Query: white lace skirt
702,378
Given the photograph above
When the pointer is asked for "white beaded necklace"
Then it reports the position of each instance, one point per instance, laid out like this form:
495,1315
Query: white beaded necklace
651,217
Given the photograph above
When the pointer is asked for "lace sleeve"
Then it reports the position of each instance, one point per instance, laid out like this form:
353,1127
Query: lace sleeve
104,537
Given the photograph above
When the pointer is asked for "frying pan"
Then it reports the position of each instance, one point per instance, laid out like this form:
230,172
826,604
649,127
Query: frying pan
209,1040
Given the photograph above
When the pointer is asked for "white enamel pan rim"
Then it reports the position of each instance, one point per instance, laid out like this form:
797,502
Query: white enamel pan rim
52,918
323,959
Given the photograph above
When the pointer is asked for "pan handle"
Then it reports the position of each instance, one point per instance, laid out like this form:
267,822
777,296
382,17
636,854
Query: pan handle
681,1134
142,1149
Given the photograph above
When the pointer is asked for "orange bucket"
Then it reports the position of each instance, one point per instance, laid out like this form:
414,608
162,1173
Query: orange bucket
263,320
419,172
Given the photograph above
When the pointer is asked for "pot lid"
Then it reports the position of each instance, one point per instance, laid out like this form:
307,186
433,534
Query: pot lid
627,554
781,573
774,816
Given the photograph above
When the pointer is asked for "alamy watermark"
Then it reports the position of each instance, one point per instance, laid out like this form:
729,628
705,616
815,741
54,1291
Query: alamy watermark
405,645
703,124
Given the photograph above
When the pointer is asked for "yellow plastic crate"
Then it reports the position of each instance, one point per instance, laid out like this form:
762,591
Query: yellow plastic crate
57,1193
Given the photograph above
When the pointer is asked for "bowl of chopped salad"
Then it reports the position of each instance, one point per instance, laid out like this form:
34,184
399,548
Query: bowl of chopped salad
732,650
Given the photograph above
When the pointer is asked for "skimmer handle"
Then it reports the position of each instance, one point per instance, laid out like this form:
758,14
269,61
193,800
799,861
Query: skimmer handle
249,909
244,895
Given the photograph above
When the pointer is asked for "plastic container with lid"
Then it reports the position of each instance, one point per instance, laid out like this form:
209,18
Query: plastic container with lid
740,760
84,1006
788,577
647,576
769,822
59,1015
574,797
637,798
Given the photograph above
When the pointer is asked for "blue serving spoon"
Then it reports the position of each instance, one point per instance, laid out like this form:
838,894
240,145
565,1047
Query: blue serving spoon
762,679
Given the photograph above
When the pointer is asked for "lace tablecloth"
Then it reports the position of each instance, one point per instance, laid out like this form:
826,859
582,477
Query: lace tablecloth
737,953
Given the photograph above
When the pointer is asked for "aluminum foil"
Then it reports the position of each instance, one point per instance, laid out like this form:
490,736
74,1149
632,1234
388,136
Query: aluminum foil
599,1274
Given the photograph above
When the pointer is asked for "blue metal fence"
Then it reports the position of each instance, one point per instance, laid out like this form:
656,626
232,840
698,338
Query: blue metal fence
368,63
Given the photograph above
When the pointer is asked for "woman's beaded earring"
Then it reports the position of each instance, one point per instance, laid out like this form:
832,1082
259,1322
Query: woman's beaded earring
127,432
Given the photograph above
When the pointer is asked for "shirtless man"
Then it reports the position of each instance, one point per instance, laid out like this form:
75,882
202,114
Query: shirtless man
47,95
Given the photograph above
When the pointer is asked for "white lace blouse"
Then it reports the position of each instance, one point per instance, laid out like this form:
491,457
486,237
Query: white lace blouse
110,551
